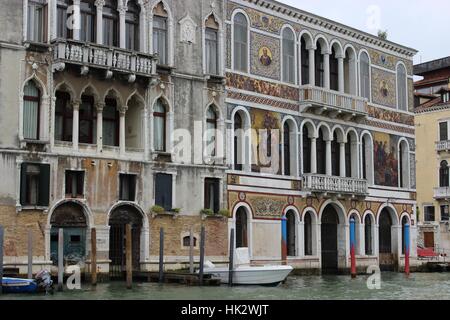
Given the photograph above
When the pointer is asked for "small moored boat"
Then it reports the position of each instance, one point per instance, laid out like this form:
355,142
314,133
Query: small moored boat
245,274
15,285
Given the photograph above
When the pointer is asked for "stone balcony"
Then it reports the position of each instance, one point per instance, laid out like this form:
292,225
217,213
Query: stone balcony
443,146
323,184
442,193
89,55
334,104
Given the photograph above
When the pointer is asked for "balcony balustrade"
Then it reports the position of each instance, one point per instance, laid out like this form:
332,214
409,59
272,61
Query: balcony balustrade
97,56
333,103
442,193
443,145
329,184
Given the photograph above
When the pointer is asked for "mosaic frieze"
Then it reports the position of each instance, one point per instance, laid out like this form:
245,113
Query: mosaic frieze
262,87
228,49
387,126
383,88
265,56
262,101
411,95
266,207
384,60
391,116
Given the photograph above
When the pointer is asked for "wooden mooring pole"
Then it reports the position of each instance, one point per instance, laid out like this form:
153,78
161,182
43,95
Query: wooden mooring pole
1,258
407,248
191,252
161,255
129,264
231,265
202,255
60,259
93,256
30,254
353,247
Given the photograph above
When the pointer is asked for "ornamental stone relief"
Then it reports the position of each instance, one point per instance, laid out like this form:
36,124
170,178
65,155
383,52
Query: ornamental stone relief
188,29
267,207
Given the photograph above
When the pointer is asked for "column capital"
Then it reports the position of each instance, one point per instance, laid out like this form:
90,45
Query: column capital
340,56
99,4
100,106
311,47
122,110
76,104
122,9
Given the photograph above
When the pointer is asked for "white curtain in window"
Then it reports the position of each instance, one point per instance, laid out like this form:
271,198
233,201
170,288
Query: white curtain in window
401,88
109,126
159,127
240,42
160,38
288,56
30,112
365,75
211,51
35,20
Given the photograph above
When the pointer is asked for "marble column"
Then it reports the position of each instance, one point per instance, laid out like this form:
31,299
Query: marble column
99,107
77,21
328,158
341,78
313,155
122,141
99,20
312,66
122,12
342,159
76,123
326,67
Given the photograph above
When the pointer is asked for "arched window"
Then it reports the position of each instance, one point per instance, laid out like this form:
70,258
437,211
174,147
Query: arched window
63,117
211,132
334,71
87,117
308,241
364,76
321,153
240,37
110,23
212,46
319,65
368,235
367,158
401,88
161,33
306,150
88,23
111,123
335,156
31,111
287,149
241,228
444,175
289,68
348,156
291,234
403,162
238,141
132,26
305,62
159,126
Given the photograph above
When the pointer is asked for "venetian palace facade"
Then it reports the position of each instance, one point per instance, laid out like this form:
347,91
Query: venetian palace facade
102,126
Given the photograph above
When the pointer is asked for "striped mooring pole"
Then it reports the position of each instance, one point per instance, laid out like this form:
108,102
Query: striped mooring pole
352,247
284,240
407,248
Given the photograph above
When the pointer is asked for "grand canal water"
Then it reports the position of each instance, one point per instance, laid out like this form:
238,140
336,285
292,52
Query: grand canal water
394,286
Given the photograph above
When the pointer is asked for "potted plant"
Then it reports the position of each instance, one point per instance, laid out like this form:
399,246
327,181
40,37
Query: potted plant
156,210
224,213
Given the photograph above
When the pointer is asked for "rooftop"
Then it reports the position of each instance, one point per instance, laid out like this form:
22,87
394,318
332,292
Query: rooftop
442,63
333,26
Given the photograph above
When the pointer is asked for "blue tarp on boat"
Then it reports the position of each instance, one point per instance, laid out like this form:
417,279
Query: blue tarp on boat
15,285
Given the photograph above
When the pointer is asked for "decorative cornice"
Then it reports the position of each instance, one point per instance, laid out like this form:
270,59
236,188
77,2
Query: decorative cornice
325,23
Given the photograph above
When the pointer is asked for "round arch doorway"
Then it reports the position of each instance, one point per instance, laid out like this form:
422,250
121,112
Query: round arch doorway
387,241
241,228
333,239
118,221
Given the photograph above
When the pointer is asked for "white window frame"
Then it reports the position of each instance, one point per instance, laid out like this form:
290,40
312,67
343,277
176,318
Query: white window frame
237,11
170,30
359,74
294,67
399,85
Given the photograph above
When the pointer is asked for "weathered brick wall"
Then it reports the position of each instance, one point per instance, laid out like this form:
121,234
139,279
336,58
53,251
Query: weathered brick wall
216,243
17,226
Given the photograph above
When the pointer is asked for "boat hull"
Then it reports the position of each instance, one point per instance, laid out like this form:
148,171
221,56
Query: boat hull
14,285
252,275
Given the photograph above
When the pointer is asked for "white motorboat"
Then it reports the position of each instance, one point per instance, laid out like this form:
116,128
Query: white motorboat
244,274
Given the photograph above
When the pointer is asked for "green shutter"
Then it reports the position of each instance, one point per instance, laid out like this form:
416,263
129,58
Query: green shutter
23,184
44,185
